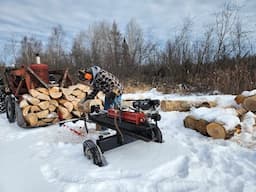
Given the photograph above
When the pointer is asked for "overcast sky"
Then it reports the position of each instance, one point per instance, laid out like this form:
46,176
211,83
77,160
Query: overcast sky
157,18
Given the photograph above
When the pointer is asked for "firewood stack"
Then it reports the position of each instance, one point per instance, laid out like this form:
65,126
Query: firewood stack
46,106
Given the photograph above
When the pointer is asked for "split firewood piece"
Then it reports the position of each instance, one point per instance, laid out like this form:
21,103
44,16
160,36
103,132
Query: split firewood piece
249,103
69,97
78,93
31,119
62,101
52,108
69,106
64,113
56,120
75,102
100,95
44,105
26,110
55,92
50,117
47,120
33,92
39,95
43,90
44,97
41,123
240,99
34,109
54,102
82,87
42,114
218,131
30,99
76,113
67,94
67,91
96,102
23,103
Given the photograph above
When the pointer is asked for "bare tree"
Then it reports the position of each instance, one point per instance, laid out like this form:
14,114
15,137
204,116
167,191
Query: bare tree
225,21
55,48
134,37
80,53
29,48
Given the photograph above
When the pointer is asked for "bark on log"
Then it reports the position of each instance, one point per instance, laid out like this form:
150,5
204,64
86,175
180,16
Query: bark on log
198,125
249,103
201,125
181,105
241,111
240,99
168,105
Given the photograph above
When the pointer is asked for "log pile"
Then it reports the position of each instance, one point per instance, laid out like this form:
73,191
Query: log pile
182,105
213,129
247,102
42,106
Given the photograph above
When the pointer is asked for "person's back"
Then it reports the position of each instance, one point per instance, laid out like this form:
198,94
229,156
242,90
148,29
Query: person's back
104,81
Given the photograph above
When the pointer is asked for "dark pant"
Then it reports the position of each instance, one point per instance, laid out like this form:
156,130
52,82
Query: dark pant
112,103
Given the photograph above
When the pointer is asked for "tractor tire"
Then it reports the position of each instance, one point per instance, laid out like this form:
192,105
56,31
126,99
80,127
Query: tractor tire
2,101
10,108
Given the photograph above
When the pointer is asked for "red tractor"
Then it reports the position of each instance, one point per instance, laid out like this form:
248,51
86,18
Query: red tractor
18,81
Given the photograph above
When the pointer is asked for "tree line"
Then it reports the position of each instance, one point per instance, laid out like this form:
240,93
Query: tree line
221,58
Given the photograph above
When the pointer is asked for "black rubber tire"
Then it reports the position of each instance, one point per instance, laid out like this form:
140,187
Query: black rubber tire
10,108
92,152
157,135
2,101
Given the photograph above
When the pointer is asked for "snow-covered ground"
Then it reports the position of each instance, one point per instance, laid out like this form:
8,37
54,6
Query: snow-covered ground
51,158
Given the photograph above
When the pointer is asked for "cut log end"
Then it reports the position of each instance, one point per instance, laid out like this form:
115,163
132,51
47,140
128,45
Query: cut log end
216,131
250,103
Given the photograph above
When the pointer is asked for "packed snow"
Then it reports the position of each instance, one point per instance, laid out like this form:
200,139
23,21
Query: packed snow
51,158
